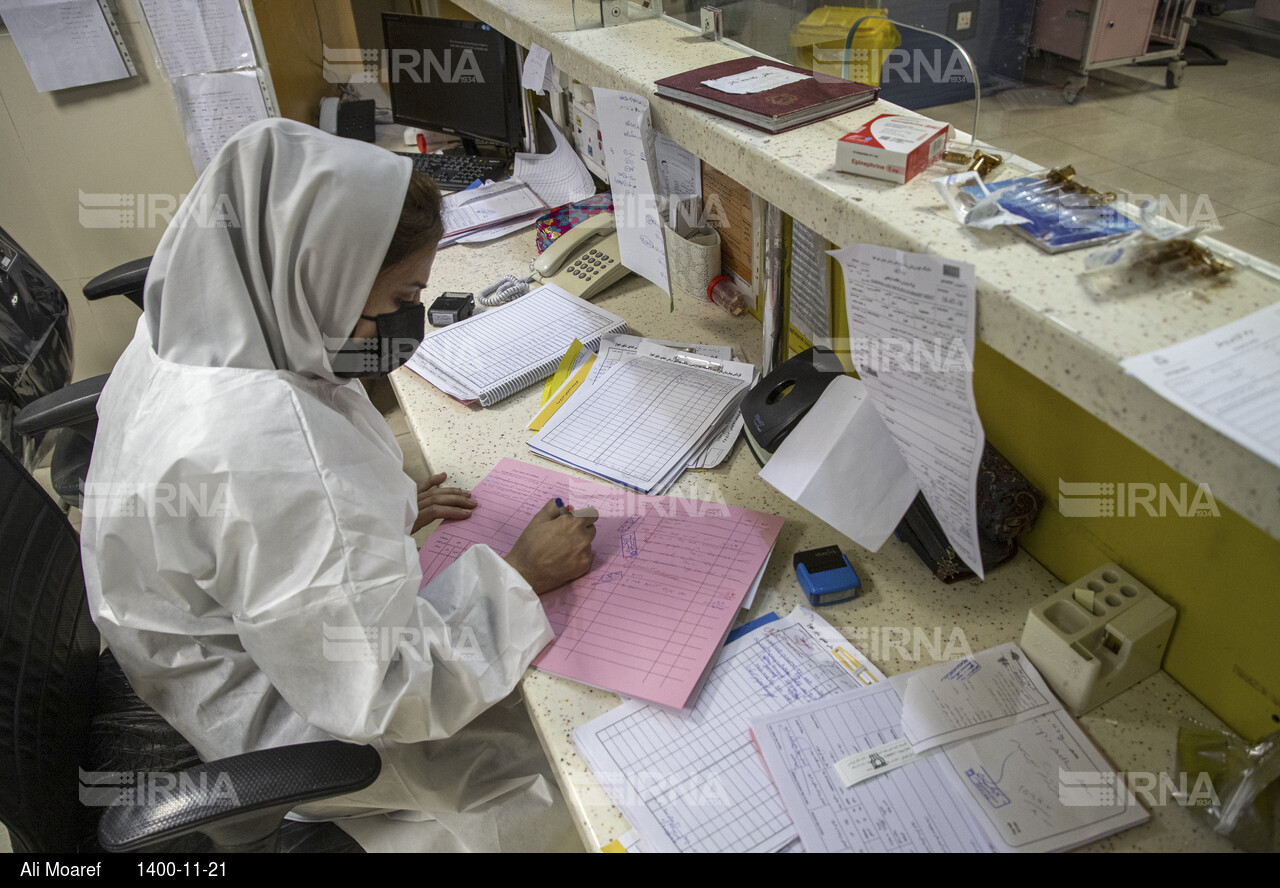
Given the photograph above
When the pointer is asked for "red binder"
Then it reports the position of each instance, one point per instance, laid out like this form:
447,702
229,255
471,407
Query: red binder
817,97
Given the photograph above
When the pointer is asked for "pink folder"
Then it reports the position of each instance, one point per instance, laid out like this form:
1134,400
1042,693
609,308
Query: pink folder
668,578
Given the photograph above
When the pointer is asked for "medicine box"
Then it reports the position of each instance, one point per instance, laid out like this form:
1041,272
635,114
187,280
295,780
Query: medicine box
892,147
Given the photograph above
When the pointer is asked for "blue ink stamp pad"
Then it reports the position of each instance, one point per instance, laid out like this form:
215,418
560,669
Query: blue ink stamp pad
826,576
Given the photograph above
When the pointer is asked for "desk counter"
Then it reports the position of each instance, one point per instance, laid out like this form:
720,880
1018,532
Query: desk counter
1137,730
1033,309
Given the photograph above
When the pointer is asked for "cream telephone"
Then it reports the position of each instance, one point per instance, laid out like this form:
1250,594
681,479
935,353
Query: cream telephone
584,261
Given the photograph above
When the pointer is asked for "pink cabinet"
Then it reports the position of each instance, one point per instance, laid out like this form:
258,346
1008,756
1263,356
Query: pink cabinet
1122,31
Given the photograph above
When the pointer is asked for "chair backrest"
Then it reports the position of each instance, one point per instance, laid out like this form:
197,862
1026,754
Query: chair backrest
48,657
35,339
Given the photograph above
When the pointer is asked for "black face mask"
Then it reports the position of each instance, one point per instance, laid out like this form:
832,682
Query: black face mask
400,333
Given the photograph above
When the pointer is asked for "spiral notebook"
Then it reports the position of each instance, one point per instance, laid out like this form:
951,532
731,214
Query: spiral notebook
493,355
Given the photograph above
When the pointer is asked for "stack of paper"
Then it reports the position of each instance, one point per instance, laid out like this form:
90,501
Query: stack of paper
496,204
798,743
972,754
493,355
646,412
668,578
694,782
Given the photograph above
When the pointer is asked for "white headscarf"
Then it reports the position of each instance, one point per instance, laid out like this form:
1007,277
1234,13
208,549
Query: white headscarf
269,261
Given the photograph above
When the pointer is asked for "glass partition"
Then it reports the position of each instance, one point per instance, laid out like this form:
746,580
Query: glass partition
1166,101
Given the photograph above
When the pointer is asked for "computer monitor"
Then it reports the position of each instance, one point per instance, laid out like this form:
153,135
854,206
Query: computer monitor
454,77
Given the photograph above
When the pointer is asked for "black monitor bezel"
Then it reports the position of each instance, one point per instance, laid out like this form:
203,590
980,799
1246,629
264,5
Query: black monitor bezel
510,83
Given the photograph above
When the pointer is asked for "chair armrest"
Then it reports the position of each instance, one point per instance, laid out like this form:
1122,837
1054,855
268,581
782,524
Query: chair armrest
126,280
240,801
74,405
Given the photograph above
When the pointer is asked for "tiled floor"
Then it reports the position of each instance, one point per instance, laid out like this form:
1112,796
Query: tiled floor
1207,148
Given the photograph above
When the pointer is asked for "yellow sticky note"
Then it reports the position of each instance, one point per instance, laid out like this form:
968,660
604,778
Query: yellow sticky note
563,370
561,395
614,847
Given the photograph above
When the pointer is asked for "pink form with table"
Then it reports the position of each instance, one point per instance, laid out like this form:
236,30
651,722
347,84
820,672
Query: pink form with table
668,578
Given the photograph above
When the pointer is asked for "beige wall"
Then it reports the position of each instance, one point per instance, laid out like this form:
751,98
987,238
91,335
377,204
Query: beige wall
121,137
291,37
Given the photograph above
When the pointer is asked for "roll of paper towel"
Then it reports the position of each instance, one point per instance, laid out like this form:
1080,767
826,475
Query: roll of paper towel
692,261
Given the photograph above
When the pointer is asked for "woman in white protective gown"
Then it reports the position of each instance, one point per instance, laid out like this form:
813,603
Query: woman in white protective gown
247,518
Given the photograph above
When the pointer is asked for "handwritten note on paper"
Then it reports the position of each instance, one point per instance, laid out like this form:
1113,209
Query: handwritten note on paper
1041,785
911,324
914,807
628,156
694,782
951,701
1228,378
540,74
668,577
756,80
489,204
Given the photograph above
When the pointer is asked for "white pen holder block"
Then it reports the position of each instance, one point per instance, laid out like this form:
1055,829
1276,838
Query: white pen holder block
1097,637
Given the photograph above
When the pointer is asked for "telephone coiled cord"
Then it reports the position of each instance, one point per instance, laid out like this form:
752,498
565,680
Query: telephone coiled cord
503,290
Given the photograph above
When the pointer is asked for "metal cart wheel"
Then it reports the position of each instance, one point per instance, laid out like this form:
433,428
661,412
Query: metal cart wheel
1071,92
1173,74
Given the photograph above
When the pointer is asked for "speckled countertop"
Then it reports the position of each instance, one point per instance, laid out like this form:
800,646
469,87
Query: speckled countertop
1137,730
1034,309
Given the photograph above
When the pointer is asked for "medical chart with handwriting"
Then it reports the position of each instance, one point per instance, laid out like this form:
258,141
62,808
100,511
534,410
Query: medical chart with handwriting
629,153
914,808
694,782
1041,785
668,578
911,326
963,698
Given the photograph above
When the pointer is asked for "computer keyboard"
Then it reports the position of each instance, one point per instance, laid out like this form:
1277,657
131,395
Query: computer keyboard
457,170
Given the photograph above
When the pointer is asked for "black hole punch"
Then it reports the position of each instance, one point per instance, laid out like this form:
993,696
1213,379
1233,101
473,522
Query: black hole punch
780,392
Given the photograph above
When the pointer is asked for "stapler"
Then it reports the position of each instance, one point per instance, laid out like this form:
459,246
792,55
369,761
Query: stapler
778,401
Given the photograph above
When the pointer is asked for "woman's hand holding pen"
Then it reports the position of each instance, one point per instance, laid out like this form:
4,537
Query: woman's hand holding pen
435,502
554,548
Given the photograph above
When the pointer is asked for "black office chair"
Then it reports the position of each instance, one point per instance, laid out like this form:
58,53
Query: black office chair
80,753
70,411
35,342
